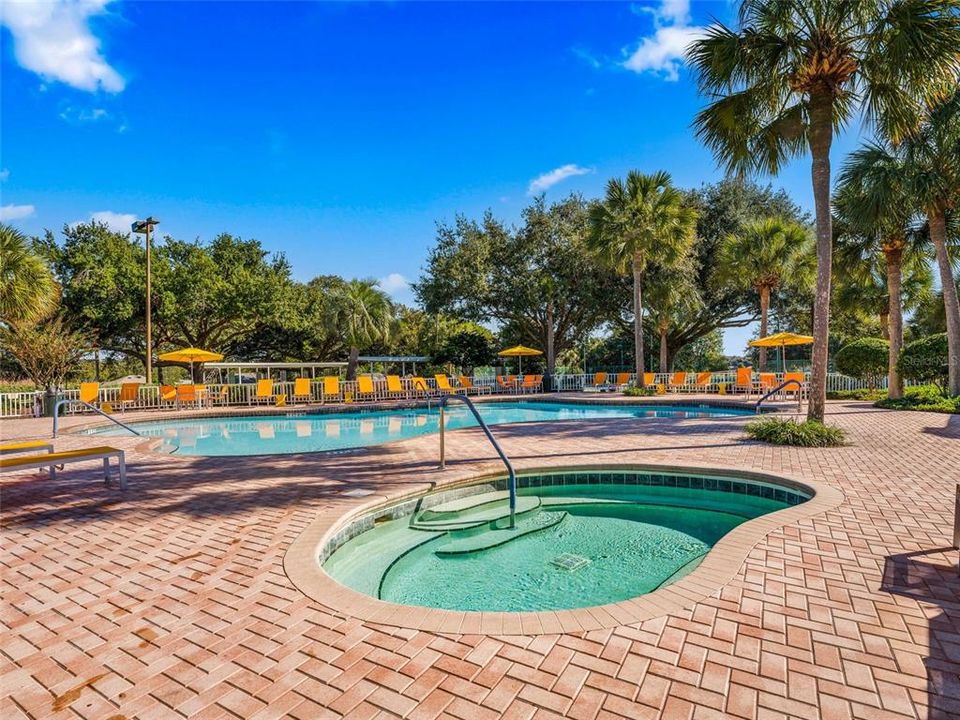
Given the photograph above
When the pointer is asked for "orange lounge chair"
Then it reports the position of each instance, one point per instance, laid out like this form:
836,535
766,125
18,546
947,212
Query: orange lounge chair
531,383
598,384
768,381
744,381
623,379
187,395
800,378
508,384
702,383
129,395
90,392
420,387
264,391
331,388
168,394
443,384
221,396
302,392
649,379
395,387
467,384
678,381
365,388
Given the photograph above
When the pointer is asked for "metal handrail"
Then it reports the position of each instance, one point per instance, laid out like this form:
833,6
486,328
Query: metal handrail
777,389
71,401
512,476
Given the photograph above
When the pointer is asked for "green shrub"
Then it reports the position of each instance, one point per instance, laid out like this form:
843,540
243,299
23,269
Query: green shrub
925,360
864,359
782,431
922,397
639,391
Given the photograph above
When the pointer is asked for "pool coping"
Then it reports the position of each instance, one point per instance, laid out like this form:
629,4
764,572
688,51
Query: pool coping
719,567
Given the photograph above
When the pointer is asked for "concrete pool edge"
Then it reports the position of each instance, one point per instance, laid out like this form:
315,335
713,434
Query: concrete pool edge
720,566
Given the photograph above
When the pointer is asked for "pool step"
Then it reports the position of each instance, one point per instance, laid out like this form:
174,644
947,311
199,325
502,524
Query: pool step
496,535
474,511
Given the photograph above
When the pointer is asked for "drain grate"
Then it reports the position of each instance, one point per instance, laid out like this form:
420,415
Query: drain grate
569,562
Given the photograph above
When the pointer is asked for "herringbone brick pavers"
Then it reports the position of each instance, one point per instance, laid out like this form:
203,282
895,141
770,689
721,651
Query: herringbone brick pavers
171,601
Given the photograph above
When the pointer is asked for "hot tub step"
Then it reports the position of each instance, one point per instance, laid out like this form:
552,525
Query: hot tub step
482,512
497,536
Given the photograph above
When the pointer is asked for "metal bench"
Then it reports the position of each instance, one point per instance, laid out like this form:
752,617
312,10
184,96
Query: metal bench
31,462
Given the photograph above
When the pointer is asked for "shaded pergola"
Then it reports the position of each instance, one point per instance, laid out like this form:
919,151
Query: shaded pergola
267,369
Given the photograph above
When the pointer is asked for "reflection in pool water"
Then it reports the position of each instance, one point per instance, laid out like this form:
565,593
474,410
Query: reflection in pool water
311,433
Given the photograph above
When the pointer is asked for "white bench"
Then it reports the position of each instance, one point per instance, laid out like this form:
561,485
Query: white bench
32,462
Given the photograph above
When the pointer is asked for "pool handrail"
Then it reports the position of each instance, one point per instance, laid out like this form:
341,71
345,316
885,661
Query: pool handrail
777,389
511,474
72,401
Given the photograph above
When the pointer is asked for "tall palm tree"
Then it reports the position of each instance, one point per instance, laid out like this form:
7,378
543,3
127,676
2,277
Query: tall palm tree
795,70
860,280
671,294
28,291
875,214
766,254
641,220
364,314
932,156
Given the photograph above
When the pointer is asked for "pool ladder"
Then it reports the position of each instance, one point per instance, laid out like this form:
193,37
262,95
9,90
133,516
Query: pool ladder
511,475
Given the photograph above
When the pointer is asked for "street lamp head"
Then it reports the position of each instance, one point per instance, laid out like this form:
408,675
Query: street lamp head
142,226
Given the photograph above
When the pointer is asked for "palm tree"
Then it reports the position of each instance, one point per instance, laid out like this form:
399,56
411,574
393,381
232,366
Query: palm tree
875,214
764,255
932,156
641,220
671,294
795,70
28,291
364,315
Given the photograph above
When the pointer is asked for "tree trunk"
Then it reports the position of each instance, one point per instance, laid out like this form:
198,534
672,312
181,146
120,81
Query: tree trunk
885,325
821,137
352,363
550,340
894,327
764,312
938,234
638,317
664,356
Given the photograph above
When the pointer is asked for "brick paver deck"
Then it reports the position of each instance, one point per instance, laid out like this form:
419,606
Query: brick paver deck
170,600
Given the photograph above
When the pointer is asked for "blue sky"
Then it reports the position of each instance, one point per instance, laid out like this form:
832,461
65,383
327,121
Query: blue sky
339,133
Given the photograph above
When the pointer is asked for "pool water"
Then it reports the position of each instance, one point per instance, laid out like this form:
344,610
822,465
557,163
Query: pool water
582,545
280,434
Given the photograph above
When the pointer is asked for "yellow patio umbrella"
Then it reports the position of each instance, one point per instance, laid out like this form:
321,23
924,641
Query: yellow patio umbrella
190,355
519,352
782,340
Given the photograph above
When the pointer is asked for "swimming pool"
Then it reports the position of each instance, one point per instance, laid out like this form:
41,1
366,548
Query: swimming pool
283,434
581,539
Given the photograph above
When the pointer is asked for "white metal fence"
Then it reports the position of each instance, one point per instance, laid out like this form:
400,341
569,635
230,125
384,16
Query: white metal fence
25,404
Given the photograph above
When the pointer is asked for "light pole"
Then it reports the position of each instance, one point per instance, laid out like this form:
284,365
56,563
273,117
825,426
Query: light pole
143,227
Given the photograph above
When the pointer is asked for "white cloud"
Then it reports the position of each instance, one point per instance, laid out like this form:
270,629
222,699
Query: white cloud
53,39
81,115
394,284
16,212
4,175
118,222
549,179
662,52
